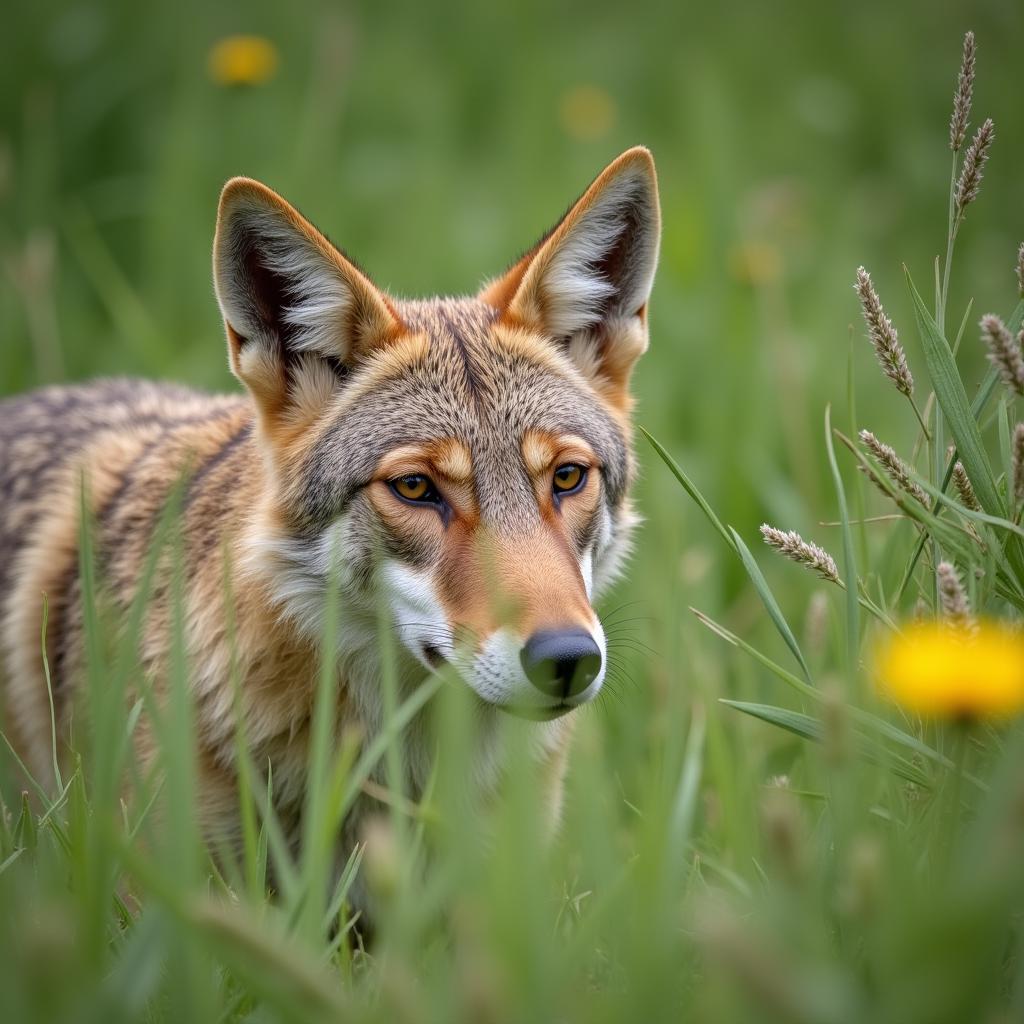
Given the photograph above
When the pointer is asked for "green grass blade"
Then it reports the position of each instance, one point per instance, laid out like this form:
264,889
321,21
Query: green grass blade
811,729
849,558
777,670
684,805
799,724
952,399
988,385
377,747
690,487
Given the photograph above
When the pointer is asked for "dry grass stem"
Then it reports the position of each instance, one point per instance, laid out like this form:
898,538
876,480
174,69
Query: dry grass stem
962,97
883,336
896,469
1020,270
955,606
1004,352
793,546
974,165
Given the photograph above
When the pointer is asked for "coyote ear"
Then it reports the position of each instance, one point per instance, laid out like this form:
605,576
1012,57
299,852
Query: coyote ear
586,284
297,312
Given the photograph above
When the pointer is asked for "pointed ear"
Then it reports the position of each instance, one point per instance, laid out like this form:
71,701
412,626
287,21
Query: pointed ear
586,284
298,314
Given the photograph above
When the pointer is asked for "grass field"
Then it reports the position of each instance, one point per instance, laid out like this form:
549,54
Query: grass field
826,856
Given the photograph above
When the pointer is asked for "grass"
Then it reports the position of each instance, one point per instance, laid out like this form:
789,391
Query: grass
750,832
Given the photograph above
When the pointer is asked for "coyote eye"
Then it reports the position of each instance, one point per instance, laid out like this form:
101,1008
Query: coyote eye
415,487
569,478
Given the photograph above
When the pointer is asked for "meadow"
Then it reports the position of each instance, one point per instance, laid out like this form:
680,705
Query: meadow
751,831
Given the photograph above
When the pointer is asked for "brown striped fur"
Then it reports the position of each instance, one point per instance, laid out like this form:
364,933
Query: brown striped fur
347,389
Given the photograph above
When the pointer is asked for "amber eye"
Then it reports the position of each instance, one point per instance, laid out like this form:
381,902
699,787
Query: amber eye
414,487
569,477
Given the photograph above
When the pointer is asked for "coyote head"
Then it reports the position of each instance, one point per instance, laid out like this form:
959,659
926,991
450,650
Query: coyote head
463,462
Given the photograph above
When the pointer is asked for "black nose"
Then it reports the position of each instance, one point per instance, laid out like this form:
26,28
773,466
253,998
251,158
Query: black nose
561,662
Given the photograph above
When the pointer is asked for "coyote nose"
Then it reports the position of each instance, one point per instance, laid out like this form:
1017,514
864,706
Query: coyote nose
561,662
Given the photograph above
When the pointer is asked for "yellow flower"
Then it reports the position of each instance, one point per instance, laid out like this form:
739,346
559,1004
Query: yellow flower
242,60
938,670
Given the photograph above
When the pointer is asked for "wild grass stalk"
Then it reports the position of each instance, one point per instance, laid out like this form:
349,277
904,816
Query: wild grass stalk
795,548
964,488
885,340
896,469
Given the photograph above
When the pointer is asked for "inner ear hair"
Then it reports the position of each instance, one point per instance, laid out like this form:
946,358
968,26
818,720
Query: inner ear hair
295,290
608,258
270,295
619,265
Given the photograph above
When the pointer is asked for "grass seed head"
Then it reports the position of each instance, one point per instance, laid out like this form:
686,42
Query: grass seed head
953,598
963,486
1018,463
962,96
793,546
1004,352
1020,270
883,335
785,834
969,183
896,469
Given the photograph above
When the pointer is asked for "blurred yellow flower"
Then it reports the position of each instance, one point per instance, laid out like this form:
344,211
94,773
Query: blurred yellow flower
755,263
938,670
242,60
588,112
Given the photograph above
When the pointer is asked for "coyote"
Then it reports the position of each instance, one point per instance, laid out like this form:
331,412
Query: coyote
463,463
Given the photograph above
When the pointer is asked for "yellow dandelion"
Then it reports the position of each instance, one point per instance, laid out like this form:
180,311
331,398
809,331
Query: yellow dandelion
937,670
588,112
242,60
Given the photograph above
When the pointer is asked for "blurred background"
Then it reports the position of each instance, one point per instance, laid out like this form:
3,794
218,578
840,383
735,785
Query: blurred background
435,142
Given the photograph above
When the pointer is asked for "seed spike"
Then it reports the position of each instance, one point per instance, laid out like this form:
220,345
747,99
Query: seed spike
964,488
952,597
794,547
1018,463
969,183
896,469
883,336
962,96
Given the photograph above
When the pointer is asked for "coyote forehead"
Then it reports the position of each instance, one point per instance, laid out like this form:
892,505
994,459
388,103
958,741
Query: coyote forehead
462,378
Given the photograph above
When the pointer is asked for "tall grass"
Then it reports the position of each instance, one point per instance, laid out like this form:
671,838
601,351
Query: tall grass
801,850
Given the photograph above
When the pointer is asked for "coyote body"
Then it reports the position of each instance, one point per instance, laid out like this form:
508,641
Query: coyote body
462,463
